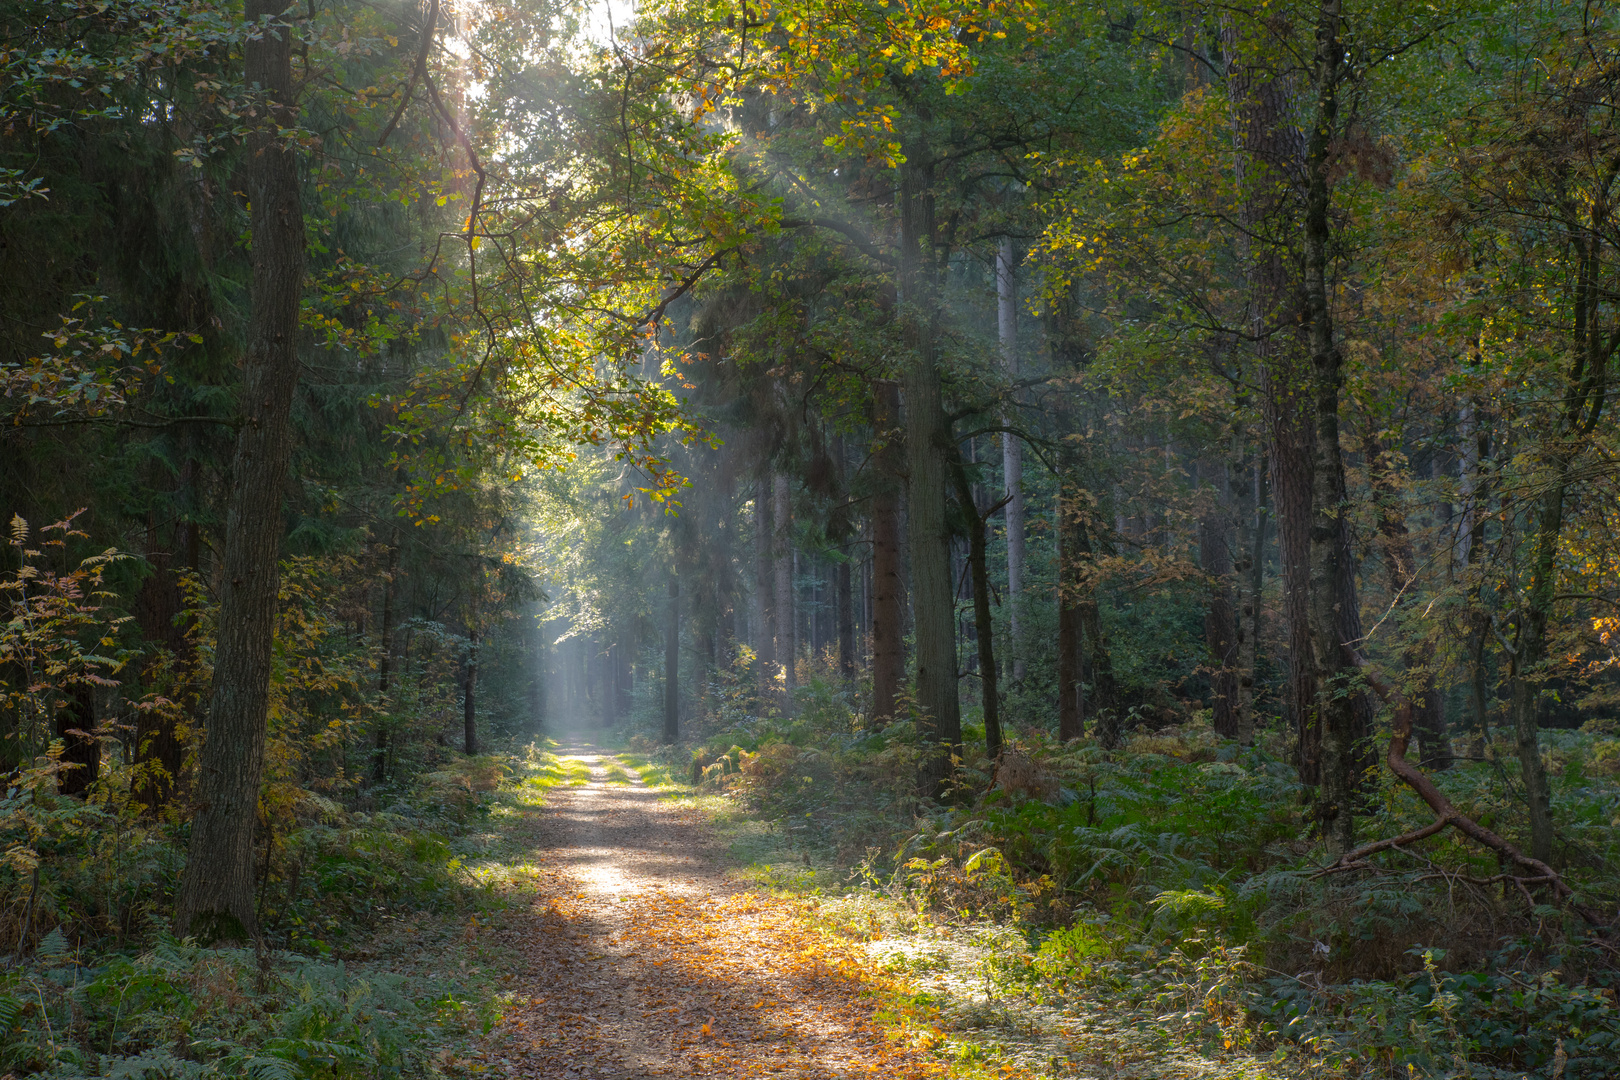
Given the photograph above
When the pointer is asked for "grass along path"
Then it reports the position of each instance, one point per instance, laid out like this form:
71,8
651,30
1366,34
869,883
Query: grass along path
638,957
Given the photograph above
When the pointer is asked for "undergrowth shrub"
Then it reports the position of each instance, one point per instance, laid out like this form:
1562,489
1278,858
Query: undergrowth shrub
179,1011
1181,875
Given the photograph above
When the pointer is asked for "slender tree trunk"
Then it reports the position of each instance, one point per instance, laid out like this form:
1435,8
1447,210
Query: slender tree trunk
1070,633
537,677
933,606
846,621
215,900
763,606
787,637
672,665
1584,399
1527,662
1220,619
1291,476
1253,609
982,622
385,668
1012,461
888,592
1400,561
610,687
1469,551
469,698
1332,668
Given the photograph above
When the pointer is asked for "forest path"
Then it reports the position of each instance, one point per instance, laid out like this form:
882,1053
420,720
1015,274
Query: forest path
641,959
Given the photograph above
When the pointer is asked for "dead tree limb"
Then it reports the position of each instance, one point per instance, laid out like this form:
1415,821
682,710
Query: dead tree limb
1444,812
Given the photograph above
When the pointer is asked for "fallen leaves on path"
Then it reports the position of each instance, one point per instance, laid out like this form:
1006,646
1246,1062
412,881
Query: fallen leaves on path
761,993
637,963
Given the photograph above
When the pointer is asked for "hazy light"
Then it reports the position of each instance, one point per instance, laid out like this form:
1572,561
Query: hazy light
605,19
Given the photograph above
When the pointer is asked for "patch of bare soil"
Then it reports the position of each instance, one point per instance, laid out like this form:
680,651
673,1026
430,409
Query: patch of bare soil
640,959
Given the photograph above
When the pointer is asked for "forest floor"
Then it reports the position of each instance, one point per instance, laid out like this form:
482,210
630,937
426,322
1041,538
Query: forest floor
638,955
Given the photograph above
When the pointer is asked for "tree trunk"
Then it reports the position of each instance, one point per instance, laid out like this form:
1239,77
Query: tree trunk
1012,461
1401,564
933,607
469,698
983,625
610,687
672,665
888,593
1252,608
1220,619
763,605
385,669
1070,632
846,621
787,637
537,676
1332,671
1270,150
215,900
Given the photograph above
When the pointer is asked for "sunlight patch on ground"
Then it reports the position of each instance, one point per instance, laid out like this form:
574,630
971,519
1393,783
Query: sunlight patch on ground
990,1019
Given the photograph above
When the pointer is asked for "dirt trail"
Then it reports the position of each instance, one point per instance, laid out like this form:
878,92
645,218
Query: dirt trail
642,960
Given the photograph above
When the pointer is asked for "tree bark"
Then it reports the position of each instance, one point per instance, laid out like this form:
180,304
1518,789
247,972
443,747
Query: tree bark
1470,550
1070,634
888,593
1329,571
469,698
1220,620
672,665
787,638
1527,660
763,605
215,900
1012,461
1270,156
385,669
610,687
846,621
1400,560
1253,607
983,624
932,604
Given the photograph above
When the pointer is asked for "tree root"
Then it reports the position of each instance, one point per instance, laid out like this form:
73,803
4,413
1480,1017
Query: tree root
1446,815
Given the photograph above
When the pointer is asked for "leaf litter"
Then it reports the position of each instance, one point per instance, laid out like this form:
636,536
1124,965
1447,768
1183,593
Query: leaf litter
639,958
